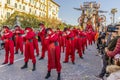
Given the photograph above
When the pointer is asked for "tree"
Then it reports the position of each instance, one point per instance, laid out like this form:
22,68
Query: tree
28,20
31,20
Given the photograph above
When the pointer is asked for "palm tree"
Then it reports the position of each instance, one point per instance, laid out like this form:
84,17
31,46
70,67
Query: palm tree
113,11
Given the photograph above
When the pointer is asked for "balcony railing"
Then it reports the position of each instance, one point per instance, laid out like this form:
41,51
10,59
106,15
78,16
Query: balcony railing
9,6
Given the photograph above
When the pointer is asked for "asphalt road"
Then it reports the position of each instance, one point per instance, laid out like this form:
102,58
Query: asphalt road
84,69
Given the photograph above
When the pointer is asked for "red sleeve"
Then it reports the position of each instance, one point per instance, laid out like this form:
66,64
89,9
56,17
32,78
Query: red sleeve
29,35
115,51
54,37
8,35
2,37
22,31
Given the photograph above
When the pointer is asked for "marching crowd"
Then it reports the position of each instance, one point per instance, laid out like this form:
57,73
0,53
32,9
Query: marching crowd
69,41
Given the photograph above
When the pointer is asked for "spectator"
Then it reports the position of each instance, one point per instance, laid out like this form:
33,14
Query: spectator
104,58
114,50
114,70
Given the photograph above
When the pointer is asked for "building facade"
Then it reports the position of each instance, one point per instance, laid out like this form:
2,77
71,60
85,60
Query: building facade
39,8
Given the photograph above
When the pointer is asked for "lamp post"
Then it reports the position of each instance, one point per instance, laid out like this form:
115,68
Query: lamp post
113,11
17,21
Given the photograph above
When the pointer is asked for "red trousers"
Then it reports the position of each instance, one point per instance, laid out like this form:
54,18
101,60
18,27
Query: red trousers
79,46
70,50
44,49
19,43
63,40
9,51
35,43
54,57
29,52
90,40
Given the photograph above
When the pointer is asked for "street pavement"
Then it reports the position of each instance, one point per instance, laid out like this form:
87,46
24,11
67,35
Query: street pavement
84,69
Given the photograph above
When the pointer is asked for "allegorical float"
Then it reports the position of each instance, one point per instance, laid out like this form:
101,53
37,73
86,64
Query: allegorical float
91,17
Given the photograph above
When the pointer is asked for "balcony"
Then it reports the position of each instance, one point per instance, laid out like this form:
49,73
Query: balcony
24,2
9,6
54,13
30,4
36,7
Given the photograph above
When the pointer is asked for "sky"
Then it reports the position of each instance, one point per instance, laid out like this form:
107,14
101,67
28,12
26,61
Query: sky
70,16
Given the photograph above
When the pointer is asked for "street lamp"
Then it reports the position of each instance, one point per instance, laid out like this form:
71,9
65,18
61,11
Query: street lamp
113,11
17,21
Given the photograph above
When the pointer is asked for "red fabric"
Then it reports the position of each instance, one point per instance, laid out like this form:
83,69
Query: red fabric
63,41
80,46
70,47
84,40
18,39
116,50
89,35
41,34
54,53
76,42
59,33
89,27
29,48
45,46
35,44
9,46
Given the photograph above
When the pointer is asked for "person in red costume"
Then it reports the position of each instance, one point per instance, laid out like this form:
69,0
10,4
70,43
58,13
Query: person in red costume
45,46
35,43
70,47
42,34
80,43
9,45
18,39
76,38
59,32
53,54
63,41
89,27
84,41
89,35
29,48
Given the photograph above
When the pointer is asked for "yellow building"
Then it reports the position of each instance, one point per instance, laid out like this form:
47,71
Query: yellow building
53,9
40,8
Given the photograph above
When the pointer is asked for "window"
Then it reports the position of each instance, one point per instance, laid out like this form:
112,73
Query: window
8,14
23,7
15,5
19,6
30,10
40,14
44,7
8,1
